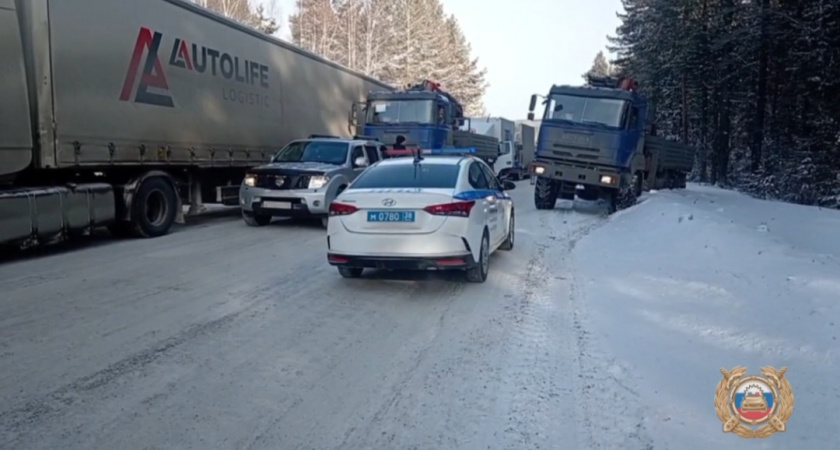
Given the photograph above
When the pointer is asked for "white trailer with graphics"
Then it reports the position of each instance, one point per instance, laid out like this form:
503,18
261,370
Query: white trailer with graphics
117,112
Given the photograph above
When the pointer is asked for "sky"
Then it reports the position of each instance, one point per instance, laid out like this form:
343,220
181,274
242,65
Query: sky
526,45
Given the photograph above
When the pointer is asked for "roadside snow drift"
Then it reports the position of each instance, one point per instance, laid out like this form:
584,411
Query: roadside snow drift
689,282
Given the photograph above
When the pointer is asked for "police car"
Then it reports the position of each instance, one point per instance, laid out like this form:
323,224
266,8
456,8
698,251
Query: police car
439,210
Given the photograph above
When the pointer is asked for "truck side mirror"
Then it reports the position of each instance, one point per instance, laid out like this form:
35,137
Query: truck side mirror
530,116
354,114
533,103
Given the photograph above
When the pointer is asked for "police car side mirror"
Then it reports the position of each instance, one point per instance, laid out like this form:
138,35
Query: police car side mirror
508,185
360,162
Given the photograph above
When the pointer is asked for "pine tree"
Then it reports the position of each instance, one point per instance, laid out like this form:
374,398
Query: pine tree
754,85
398,41
600,66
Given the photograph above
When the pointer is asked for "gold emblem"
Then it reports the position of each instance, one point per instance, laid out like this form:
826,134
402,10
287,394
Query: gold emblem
754,406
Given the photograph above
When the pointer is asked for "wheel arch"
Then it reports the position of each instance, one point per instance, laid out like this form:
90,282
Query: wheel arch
129,189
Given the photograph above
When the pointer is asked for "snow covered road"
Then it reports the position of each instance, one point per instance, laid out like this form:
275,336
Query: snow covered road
592,333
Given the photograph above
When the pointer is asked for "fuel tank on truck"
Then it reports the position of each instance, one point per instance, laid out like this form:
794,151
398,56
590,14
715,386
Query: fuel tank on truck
15,124
141,81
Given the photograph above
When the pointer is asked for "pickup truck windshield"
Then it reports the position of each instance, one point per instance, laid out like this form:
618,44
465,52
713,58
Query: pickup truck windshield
313,151
401,111
604,111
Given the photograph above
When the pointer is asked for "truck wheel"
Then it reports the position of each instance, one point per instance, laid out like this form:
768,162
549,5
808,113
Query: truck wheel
154,207
625,198
255,220
637,184
545,193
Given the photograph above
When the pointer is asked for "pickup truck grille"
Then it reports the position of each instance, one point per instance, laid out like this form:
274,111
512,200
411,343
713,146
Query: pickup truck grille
283,182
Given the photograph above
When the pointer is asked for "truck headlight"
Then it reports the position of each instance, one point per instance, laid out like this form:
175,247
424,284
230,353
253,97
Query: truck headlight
606,179
317,182
539,170
250,180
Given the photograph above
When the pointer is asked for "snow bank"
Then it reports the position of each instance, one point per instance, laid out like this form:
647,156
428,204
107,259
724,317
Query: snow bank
691,281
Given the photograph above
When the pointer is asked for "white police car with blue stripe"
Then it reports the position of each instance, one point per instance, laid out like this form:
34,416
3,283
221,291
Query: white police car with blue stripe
440,210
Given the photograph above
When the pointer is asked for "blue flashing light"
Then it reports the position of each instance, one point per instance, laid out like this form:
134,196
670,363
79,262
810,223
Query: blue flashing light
450,151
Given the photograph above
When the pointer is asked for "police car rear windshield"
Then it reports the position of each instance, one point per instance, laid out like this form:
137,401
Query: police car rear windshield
429,176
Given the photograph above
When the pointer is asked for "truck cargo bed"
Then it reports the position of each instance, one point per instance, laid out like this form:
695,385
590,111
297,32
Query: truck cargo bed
486,147
672,155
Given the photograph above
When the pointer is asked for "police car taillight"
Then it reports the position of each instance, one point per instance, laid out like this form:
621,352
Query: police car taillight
454,209
341,209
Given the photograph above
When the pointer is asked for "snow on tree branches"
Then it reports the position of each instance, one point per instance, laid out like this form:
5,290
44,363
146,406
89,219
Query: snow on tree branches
243,11
397,41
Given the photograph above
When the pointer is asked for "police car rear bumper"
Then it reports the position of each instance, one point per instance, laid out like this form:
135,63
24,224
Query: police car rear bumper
454,262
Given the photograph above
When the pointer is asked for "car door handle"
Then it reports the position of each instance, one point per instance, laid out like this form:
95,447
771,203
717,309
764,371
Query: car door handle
493,209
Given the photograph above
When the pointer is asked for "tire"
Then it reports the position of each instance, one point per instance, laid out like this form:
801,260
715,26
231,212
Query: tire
545,193
625,197
638,180
154,207
350,272
478,274
507,245
255,220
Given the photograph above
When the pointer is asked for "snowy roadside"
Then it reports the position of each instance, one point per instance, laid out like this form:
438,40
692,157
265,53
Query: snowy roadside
692,281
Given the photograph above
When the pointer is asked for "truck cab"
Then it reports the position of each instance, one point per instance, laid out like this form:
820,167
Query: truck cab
591,140
423,114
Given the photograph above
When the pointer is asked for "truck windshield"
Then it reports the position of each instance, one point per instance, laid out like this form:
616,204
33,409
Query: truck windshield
604,111
401,111
313,151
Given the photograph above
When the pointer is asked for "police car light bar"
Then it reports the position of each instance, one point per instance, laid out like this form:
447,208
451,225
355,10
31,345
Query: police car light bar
452,151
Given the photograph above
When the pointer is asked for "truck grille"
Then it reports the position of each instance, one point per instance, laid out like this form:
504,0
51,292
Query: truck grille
584,147
283,182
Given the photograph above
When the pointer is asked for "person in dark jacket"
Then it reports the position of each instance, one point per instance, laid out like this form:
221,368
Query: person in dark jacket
400,143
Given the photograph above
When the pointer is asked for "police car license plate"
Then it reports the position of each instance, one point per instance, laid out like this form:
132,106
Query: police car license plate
390,216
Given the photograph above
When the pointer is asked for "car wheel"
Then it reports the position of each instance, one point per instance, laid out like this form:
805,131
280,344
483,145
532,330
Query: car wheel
478,273
350,272
508,243
256,220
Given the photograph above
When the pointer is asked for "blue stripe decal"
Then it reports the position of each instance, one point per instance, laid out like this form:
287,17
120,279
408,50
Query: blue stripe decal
475,194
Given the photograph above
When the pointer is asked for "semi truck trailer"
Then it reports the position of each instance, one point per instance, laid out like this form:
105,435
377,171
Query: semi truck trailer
118,113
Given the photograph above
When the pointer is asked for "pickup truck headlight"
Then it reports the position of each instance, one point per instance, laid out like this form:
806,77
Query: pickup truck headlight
250,180
318,181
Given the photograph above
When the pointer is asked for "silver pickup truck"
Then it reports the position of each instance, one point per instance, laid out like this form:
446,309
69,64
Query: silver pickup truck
303,178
